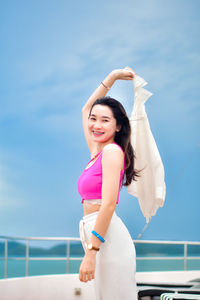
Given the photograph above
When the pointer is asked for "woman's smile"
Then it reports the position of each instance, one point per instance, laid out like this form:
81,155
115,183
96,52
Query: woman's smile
97,133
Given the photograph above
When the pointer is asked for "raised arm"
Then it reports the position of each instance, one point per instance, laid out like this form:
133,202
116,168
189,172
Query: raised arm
101,91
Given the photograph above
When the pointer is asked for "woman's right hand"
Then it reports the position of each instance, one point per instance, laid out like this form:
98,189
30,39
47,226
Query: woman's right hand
124,74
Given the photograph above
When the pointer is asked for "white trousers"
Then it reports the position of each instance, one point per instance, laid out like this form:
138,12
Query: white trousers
115,262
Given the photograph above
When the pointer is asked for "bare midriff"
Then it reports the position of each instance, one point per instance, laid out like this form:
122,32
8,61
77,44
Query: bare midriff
89,208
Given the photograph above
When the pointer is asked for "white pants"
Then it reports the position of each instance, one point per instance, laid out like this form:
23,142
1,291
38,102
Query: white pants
115,262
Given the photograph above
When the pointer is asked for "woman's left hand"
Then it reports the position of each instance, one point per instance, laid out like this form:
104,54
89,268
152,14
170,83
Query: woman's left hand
87,267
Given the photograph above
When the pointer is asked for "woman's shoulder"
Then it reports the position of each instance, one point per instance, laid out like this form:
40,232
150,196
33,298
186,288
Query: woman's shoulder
113,153
113,156
112,148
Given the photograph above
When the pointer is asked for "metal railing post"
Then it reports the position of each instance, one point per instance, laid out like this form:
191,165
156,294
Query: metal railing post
27,258
6,259
185,257
68,255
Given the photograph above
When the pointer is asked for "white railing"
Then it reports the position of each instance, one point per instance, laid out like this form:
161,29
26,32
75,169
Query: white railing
68,258
185,256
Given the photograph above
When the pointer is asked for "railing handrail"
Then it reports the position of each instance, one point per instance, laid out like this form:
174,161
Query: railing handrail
167,242
78,239
40,238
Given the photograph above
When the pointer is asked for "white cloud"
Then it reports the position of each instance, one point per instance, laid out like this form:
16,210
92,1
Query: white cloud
61,123
10,198
12,195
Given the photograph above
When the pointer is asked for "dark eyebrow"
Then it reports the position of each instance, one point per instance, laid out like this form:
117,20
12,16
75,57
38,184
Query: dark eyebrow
103,117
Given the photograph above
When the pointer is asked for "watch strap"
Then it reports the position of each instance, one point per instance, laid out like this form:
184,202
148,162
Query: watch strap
91,247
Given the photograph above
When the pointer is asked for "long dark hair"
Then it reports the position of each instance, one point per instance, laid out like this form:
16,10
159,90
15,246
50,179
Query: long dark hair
123,137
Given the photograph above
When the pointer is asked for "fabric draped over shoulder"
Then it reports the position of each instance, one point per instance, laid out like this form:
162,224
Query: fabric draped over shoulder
150,188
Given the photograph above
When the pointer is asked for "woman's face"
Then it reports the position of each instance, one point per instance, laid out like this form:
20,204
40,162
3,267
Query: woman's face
102,124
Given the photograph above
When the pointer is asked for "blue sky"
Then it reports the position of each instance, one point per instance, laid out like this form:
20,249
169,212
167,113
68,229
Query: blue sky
53,55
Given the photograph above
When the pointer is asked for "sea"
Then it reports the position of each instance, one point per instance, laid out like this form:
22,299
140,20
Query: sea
162,258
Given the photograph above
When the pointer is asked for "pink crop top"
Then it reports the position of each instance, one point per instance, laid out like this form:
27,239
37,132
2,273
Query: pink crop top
90,182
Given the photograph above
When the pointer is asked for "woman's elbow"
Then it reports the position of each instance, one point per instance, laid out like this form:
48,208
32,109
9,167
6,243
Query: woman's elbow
109,205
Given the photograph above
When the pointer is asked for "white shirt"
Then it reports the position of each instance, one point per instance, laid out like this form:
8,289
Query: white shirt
150,188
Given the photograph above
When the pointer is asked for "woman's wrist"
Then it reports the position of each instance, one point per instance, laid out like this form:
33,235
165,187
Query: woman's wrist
122,74
91,252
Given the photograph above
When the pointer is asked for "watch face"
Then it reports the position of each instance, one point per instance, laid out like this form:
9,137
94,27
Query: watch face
89,246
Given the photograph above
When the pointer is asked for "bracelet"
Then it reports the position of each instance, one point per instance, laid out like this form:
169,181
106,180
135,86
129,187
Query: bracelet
98,235
105,86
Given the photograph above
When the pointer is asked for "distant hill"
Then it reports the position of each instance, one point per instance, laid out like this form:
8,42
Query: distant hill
19,249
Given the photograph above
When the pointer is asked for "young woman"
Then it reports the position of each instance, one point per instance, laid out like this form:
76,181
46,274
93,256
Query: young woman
109,249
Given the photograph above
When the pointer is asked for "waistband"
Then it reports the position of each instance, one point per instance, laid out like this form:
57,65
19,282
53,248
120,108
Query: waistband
90,216
94,215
